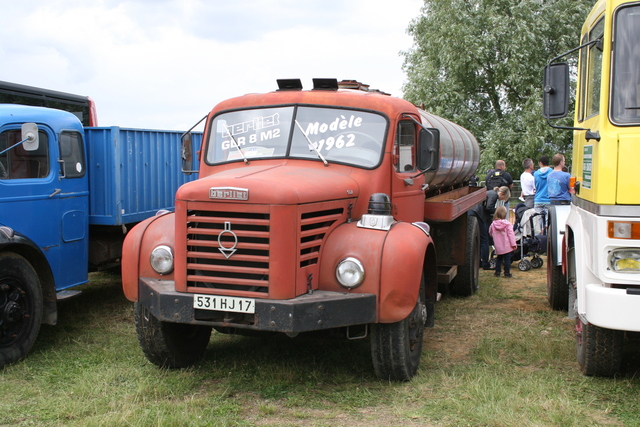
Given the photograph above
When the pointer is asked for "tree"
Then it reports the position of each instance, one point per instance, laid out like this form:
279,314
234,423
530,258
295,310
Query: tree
479,63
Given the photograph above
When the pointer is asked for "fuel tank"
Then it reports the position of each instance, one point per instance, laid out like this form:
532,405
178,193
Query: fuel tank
459,153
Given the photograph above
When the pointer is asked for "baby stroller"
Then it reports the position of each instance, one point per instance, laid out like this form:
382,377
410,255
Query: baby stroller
530,231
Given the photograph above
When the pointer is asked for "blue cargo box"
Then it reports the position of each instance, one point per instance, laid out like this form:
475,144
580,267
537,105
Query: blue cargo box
133,173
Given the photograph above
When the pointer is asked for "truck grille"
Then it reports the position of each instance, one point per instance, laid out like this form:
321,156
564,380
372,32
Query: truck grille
313,229
212,237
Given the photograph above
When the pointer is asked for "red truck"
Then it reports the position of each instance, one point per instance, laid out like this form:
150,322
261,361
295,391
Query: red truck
314,209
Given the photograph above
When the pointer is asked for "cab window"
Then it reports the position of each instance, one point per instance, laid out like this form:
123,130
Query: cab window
71,154
405,147
18,163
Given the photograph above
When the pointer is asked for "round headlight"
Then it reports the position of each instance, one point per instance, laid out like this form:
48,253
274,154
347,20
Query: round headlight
162,259
350,273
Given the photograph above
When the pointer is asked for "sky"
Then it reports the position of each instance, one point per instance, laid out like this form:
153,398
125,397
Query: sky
164,64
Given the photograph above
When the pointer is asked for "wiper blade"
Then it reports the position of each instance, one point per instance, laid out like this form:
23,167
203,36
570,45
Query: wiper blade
312,145
235,144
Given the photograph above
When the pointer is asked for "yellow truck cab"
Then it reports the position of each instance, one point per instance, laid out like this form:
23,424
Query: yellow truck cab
594,245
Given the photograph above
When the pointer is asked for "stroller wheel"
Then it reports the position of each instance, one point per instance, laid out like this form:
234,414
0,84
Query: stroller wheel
537,262
524,265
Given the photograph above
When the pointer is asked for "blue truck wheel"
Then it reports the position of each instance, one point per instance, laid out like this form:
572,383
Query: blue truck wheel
20,307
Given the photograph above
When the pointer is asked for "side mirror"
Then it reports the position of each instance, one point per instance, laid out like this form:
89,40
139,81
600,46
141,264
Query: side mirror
556,91
187,154
428,149
30,137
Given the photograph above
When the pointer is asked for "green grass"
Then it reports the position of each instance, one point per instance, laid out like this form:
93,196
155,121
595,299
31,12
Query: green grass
500,358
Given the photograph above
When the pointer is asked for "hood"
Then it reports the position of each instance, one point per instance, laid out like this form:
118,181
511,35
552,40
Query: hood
280,184
544,171
501,224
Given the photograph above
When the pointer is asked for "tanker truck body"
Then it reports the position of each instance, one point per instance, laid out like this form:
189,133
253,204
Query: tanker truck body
315,209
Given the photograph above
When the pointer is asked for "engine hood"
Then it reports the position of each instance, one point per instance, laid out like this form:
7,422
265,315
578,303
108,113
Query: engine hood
280,184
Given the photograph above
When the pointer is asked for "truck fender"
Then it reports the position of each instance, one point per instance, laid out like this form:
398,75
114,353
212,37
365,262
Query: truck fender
138,244
393,261
403,260
13,241
557,219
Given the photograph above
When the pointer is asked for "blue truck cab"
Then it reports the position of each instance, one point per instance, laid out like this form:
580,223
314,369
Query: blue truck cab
68,194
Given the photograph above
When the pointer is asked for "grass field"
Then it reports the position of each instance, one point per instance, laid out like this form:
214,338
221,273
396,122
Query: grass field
500,358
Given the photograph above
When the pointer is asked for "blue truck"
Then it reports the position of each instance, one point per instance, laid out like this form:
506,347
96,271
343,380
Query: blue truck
68,195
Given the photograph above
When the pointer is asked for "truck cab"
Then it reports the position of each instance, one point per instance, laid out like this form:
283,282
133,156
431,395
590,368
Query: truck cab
594,252
44,196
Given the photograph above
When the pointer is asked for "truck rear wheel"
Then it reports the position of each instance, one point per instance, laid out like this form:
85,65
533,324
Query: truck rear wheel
599,349
396,347
170,345
557,288
20,307
465,283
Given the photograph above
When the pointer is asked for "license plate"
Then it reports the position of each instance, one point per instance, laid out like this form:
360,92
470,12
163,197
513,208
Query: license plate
222,303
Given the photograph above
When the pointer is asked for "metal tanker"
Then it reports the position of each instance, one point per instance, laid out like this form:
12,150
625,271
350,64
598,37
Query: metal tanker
459,153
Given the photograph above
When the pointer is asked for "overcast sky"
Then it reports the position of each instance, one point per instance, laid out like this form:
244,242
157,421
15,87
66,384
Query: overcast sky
164,64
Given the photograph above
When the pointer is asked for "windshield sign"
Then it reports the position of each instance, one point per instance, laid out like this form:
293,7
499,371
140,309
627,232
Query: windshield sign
324,134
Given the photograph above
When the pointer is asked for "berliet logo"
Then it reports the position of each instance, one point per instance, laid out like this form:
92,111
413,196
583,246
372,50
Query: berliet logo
229,193
227,251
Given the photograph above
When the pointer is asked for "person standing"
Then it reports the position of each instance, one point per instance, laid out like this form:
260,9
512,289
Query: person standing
541,199
498,176
528,183
484,214
504,241
558,182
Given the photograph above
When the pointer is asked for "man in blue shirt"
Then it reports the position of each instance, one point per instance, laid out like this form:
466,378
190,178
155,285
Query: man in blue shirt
541,198
558,183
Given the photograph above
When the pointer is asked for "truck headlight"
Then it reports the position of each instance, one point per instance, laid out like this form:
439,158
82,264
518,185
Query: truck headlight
350,273
625,260
161,259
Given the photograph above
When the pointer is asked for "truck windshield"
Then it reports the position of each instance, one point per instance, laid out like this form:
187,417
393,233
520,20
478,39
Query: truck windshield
625,106
352,137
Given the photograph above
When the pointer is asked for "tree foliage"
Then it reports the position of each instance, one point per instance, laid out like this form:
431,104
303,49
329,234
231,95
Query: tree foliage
479,63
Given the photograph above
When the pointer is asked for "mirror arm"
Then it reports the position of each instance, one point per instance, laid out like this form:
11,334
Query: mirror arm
29,138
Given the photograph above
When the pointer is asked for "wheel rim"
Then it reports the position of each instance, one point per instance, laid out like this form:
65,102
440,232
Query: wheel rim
14,311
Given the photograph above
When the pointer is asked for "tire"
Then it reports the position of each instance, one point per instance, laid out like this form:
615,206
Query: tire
466,281
599,350
536,262
170,345
21,307
524,265
557,288
396,347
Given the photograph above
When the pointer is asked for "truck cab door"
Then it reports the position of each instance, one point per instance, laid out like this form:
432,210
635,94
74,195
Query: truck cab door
47,200
407,195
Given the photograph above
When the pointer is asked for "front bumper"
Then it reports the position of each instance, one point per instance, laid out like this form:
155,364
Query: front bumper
309,312
612,308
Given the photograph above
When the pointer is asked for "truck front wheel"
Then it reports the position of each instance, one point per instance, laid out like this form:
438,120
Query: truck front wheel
396,347
20,307
599,349
170,345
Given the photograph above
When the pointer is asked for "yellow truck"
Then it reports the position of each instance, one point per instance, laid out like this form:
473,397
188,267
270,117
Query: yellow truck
594,244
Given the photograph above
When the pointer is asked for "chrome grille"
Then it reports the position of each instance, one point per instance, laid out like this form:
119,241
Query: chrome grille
228,250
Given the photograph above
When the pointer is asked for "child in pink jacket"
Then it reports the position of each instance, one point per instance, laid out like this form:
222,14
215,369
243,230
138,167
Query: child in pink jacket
504,240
